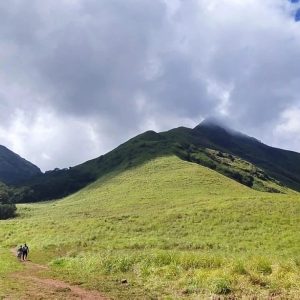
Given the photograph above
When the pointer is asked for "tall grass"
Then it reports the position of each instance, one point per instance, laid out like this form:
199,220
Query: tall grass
172,229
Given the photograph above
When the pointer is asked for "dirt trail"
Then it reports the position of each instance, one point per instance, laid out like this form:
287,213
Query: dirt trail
37,287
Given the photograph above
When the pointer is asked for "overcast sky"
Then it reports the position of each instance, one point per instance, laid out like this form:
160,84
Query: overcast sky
78,77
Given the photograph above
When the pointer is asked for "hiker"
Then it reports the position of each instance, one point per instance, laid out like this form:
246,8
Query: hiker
20,252
25,251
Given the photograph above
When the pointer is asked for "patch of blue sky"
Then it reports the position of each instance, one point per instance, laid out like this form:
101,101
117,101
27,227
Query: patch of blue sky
297,15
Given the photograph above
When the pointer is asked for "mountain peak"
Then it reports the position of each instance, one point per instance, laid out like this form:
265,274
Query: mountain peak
217,125
211,121
214,123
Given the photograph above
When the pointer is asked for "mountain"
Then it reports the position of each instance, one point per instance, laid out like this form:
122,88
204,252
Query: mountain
280,164
160,213
233,154
165,223
15,169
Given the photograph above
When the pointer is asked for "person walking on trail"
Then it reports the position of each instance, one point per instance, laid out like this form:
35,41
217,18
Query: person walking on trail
25,251
20,252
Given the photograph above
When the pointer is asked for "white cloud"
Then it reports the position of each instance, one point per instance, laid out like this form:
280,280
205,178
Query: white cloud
287,132
78,77
290,122
50,141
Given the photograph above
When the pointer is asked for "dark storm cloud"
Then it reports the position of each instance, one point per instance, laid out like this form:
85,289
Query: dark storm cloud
179,89
96,63
79,77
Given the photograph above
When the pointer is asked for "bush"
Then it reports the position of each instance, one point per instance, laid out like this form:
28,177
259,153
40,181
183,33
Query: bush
190,261
239,268
222,286
7,211
264,267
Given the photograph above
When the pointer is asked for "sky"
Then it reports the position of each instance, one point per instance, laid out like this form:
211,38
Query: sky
79,77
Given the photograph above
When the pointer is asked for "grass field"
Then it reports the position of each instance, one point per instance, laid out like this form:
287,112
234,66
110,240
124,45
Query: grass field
171,228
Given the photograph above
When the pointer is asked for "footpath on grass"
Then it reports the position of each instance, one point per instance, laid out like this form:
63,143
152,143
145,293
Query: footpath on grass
32,284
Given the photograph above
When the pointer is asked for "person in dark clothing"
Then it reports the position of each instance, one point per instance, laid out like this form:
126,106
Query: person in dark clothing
20,252
25,251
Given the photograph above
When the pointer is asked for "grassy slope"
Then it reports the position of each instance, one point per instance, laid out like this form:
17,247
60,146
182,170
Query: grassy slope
171,228
234,155
281,164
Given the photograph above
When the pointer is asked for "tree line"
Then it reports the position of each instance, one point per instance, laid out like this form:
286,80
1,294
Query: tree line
7,208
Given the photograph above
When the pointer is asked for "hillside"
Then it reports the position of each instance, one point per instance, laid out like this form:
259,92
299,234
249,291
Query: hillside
15,169
171,228
280,164
232,154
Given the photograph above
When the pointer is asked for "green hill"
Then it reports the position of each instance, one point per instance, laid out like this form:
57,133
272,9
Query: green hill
15,169
232,154
173,229
280,164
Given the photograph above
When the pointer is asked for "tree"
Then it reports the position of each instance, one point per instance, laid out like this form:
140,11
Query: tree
7,209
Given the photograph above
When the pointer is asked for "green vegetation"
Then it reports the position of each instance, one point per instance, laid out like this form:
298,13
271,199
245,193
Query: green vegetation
172,229
7,209
232,167
280,164
232,154
60,183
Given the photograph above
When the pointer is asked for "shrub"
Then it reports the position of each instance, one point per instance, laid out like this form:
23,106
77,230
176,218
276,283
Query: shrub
239,268
7,211
190,261
221,286
264,267
121,264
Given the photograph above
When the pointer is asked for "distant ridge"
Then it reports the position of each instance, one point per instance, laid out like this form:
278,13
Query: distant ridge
15,169
284,165
210,144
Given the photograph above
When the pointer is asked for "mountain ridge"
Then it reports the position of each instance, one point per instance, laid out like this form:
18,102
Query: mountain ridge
15,169
235,155
277,162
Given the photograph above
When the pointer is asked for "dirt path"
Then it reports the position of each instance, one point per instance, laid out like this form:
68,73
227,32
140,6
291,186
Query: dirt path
37,287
